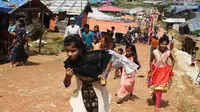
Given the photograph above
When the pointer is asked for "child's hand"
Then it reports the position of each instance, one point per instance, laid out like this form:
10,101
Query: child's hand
103,80
68,76
150,73
69,72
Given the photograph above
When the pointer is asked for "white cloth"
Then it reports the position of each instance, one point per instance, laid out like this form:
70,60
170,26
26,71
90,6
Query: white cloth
114,35
72,30
102,94
121,61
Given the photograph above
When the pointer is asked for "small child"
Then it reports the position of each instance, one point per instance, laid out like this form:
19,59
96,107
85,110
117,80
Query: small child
194,55
118,71
95,44
172,43
127,80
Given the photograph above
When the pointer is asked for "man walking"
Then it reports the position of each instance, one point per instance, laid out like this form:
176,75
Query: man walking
72,28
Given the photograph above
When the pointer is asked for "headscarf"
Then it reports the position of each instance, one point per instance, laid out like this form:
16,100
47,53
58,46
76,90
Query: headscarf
92,64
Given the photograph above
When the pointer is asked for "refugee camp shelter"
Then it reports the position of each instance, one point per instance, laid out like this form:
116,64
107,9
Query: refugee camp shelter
16,9
69,8
174,22
110,10
190,26
181,11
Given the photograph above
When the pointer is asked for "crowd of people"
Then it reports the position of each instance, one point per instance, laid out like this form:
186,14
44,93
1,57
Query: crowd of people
94,47
91,57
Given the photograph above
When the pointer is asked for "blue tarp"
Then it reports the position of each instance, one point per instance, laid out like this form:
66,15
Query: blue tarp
180,8
193,24
4,5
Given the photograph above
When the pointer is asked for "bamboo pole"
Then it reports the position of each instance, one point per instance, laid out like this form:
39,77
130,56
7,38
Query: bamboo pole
41,31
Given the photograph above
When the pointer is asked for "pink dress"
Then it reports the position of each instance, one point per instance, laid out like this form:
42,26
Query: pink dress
126,84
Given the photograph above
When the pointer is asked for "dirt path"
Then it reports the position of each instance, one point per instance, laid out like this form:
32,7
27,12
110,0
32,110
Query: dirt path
38,87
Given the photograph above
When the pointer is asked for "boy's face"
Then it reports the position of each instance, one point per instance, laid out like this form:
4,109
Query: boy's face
86,29
11,23
95,28
95,40
118,51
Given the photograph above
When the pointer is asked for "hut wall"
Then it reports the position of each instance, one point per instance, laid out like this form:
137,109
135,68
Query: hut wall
62,25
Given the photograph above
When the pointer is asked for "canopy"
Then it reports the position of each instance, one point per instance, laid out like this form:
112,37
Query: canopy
92,2
97,15
110,9
72,7
10,6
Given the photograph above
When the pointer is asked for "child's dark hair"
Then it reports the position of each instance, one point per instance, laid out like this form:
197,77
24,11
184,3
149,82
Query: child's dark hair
95,37
76,41
121,50
22,23
87,26
162,39
196,48
135,58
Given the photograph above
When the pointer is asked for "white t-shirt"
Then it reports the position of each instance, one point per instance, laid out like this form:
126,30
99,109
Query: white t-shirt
72,30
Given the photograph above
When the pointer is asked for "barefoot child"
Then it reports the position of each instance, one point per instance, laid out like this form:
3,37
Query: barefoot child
193,55
160,71
127,80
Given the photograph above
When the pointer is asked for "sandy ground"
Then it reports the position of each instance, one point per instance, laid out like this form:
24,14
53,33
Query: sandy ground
37,87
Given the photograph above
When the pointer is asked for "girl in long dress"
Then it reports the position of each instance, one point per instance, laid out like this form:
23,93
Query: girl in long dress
160,71
127,80
91,69
17,51
90,95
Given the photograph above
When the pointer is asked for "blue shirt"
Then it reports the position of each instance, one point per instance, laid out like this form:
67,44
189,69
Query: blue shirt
88,37
12,28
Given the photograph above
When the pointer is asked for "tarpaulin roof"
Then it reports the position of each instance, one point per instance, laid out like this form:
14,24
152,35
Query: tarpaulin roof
93,2
10,6
72,7
110,9
175,20
193,24
180,8
97,15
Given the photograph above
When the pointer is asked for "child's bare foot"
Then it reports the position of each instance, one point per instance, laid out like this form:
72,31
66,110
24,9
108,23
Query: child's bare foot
157,109
24,63
119,101
13,65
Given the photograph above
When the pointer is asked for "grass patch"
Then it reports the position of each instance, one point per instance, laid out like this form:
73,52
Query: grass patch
130,6
54,44
196,32
139,3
